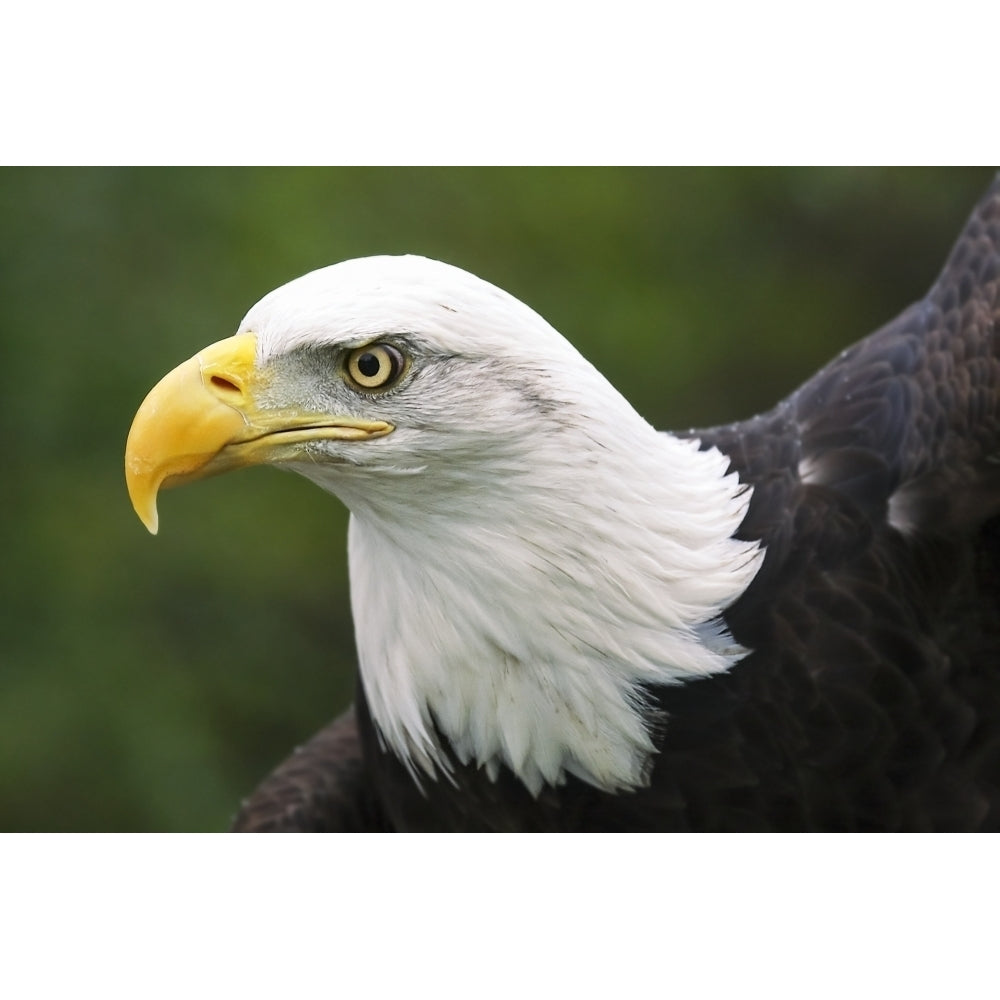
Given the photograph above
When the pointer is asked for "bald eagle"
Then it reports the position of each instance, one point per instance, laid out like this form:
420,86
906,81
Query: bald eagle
567,620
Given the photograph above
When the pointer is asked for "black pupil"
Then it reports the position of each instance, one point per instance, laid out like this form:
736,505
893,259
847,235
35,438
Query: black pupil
369,365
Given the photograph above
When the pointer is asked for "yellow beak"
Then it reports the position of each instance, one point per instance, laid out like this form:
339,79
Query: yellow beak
203,418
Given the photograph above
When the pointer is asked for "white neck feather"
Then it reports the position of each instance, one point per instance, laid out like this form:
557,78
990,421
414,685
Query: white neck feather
525,618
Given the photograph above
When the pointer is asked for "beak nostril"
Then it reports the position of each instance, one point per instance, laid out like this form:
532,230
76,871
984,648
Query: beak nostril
224,384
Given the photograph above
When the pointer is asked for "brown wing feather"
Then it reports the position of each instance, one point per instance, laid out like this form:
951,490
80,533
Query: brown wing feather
907,422
321,788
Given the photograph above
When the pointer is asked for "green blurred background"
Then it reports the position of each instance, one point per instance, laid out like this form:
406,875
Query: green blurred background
148,684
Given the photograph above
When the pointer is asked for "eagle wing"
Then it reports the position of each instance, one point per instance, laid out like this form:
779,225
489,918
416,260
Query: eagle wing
874,620
906,422
321,788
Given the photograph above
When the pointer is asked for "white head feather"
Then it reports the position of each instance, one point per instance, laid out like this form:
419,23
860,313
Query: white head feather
526,552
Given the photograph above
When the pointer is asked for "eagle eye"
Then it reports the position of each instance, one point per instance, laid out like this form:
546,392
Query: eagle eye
376,366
